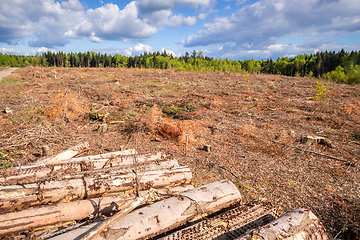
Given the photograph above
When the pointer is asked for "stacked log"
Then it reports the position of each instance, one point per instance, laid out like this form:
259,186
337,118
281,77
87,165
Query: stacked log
228,224
71,211
167,214
123,195
300,224
77,188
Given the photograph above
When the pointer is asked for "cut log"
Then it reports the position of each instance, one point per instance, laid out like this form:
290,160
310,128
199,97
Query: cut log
20,197
65,212
168,214
67,154
229,224
32,174
300,224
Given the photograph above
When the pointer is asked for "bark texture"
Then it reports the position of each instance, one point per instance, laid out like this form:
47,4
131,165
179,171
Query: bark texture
299,224
17,197
65,212
167,214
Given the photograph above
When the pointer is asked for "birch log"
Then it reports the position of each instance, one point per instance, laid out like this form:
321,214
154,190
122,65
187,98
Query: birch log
168,214
229,224
64,212
32,174
28,195
299,224
67,154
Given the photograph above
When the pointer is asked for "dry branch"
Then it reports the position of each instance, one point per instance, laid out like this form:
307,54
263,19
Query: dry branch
300,224
65,212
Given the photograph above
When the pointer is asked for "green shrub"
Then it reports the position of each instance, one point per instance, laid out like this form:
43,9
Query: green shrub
321,90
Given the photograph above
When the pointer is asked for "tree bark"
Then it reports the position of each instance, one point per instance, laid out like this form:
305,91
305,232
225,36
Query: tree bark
64,212
168,214
32,174
67,154
229,224
28,195
300,224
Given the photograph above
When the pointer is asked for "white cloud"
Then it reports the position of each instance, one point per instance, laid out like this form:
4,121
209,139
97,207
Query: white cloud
49,23
155,5
9,51
138,49
142,48
227,7
42,49
203,16
180,20
45,19
169,52
259,25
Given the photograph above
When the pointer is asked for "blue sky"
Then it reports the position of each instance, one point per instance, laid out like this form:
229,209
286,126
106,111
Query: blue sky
235,29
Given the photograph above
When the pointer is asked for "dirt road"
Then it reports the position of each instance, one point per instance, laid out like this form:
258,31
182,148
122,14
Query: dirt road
6,72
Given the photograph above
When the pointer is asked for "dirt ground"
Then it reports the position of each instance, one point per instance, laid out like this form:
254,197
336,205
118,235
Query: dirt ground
256,125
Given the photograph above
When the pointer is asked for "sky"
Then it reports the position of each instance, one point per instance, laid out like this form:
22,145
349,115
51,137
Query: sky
234,29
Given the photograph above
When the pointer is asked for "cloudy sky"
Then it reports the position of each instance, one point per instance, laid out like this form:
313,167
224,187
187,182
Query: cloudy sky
235,29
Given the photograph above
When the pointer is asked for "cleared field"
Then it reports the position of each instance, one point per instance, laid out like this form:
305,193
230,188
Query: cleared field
290,140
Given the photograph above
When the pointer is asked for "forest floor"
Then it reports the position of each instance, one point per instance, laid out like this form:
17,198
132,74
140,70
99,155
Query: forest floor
256,125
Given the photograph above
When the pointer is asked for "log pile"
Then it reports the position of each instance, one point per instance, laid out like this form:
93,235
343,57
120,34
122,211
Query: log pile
124,195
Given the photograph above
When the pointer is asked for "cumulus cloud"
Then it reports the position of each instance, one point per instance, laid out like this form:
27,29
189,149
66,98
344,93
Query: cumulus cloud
9,51
111,23
180,20
155,5
258,26
140,48
203,16
45,19
49,23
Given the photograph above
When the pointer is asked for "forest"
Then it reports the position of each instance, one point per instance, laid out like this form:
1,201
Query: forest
342,67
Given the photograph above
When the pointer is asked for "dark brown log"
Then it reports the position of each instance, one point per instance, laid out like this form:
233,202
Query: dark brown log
65,212
299,224
20,197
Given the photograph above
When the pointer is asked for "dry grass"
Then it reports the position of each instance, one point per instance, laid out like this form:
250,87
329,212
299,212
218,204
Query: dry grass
66,106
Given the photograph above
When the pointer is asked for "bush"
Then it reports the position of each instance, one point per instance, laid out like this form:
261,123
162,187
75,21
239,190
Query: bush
321,90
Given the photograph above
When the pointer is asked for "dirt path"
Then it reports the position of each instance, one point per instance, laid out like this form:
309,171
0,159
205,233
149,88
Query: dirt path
6,72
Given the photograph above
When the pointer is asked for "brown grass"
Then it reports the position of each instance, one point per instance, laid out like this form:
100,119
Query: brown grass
66,105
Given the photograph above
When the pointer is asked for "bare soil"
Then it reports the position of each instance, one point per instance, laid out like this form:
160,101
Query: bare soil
254,124
6,72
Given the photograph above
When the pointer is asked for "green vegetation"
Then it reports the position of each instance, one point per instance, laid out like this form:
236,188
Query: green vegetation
4,164
321,90
342,67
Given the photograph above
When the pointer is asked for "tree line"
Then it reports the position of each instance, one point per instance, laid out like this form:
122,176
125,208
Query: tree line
339,66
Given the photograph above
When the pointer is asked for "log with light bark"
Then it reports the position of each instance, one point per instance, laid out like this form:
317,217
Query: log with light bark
32,174
228,224
64,212
167,214
299,224
65,155
53,191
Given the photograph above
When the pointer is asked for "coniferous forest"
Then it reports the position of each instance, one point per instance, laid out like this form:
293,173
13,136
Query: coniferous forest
343,67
